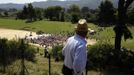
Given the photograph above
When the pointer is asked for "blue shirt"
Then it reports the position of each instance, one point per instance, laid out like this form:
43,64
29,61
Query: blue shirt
75,54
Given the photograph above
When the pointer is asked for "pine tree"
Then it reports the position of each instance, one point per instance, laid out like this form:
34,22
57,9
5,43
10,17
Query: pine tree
106,13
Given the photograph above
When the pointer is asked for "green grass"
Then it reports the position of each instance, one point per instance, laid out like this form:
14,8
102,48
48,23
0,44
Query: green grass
46,26
40,67
108,35
57,27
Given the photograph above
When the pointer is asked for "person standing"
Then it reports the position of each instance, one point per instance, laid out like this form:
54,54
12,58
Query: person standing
74,51
45,51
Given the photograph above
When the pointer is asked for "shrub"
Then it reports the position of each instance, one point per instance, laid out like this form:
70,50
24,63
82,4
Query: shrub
102,56
26,51
13,50
75,17
57,52
99,54
4,54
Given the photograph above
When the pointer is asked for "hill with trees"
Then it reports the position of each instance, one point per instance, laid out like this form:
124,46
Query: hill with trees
93,4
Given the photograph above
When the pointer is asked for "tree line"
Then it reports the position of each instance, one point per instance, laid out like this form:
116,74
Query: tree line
106,14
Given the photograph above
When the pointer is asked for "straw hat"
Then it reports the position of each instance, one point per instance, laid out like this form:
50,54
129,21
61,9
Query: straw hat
82,25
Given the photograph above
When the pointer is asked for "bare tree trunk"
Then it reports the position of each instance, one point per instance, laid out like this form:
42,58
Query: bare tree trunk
119,28
120,25
118,37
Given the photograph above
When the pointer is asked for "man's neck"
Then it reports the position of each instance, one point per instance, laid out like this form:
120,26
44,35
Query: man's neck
81,36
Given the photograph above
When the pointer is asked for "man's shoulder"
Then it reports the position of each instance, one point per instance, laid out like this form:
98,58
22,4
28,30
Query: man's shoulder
70,38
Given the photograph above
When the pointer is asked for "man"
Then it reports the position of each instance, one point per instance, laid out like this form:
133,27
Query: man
74,51
46,51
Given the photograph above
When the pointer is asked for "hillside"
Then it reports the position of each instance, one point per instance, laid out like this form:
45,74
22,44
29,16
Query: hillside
93,4
64,27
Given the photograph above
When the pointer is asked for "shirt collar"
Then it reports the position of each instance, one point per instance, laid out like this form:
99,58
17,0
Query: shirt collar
82,38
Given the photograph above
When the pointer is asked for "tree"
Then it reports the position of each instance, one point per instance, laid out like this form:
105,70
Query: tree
53,13
28,12
74,17
49,12
25,12
130,16
85,12
74,9
106,14
31,13
6,13
19,15
58,10
39,13
121,29
84,9
62,16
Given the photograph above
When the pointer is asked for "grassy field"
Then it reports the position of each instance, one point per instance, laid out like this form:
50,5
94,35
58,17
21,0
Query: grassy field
56,27
40,67
46,26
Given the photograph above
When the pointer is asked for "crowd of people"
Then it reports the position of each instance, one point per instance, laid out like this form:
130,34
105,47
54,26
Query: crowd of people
46,39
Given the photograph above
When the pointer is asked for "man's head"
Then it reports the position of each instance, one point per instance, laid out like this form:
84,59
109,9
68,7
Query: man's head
81,28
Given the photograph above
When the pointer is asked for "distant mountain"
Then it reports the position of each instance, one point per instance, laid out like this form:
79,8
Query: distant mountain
11,5
89,3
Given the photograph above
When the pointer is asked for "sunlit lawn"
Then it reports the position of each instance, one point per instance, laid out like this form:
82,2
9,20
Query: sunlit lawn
57,27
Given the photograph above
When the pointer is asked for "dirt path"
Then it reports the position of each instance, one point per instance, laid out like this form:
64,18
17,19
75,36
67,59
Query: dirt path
14,34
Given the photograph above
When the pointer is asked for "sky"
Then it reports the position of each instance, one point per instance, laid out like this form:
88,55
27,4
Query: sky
21,1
